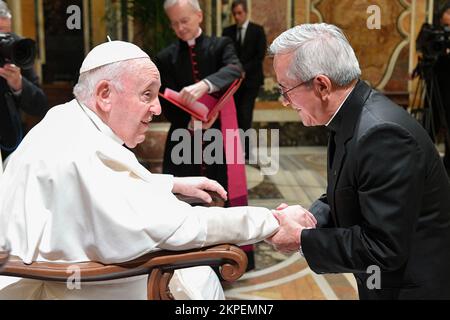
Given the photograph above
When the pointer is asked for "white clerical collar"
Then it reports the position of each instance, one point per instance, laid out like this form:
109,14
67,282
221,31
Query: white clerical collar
192,41
100,124
334,115
245,24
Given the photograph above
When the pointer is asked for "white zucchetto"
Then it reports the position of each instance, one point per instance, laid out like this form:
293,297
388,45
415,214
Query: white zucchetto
110,52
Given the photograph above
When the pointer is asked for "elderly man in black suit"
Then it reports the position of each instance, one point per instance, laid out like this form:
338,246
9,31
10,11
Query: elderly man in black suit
195,64
386,214
19,90
251,46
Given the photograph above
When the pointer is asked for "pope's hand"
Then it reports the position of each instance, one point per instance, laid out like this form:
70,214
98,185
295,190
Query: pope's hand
194,92
299,215
197,187
12,75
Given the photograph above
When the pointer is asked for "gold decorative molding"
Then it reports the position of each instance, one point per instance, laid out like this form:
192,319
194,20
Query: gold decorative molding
315,11
400,46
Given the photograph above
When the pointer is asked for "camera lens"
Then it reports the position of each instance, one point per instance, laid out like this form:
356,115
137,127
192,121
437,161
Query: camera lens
23,53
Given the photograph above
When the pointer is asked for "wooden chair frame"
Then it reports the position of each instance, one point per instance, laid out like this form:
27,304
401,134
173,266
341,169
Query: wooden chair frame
159,266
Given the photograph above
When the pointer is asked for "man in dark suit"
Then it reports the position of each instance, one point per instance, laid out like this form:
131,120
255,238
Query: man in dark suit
194,65
442,72
386,214
19,90
251,46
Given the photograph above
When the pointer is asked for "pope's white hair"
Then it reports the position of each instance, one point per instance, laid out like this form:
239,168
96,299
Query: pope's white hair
84,90
171,3
4,11
318,49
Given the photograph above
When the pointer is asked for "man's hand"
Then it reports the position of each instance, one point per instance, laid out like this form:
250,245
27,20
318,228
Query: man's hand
196,186
299,215
13,76
194,92
292,221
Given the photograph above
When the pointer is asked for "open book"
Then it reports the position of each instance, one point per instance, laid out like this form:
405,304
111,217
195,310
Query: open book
206,107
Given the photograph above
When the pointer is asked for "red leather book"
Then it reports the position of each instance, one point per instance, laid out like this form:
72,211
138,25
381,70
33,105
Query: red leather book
206,107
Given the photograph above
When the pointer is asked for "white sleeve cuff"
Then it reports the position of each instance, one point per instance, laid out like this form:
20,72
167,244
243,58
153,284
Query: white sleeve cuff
212,87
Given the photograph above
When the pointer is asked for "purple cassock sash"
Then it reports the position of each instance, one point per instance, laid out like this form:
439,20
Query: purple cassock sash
237,181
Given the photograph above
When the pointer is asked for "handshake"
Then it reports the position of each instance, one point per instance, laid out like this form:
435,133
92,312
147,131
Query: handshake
292,220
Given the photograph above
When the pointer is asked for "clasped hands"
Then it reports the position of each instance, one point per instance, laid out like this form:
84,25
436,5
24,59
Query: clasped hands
293,220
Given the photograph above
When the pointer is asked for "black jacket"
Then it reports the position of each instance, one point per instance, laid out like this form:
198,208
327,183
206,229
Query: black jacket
387,203
251,53
32,101
217,62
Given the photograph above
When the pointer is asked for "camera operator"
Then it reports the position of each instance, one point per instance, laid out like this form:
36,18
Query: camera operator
19,90
442,71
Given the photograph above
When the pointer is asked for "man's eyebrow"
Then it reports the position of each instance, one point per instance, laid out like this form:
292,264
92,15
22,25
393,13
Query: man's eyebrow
150,83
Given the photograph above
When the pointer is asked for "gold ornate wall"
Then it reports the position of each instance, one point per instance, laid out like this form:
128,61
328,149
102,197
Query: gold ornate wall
387,55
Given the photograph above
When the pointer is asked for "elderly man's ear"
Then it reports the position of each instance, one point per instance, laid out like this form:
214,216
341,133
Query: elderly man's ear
103,95
323,87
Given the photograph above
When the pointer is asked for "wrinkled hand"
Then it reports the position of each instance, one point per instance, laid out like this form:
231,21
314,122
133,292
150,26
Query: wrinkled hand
194,92
299,214
12,75
292,221
196,186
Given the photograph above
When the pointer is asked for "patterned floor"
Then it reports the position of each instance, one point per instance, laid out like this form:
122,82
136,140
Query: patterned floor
301,178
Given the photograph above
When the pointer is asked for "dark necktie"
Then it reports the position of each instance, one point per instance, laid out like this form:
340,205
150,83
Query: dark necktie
239,40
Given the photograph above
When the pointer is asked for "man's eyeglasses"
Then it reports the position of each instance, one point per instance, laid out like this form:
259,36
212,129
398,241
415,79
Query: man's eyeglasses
284,93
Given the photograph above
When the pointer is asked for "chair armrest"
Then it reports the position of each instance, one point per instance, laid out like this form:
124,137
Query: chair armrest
217,201
159,265
4,254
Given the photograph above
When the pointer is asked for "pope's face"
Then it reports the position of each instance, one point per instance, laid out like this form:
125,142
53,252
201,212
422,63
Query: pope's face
133,107
303,98
185,20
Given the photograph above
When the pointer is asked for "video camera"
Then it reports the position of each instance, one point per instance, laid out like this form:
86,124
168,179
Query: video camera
16,50
433,41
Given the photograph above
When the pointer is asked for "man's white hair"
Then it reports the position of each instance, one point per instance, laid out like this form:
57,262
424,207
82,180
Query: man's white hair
84,90
4,11
318,49
170,3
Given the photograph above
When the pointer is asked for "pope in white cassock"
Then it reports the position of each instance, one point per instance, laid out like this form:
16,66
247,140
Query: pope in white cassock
73,193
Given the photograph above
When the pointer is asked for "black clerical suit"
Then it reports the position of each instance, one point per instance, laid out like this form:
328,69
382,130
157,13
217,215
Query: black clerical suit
31,100
213,58
387,203
442,72
251,53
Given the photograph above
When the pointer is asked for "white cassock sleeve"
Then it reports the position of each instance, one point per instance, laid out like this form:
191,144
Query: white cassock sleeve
122,214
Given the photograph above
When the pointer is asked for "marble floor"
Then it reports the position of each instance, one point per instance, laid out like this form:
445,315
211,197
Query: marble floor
301,178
